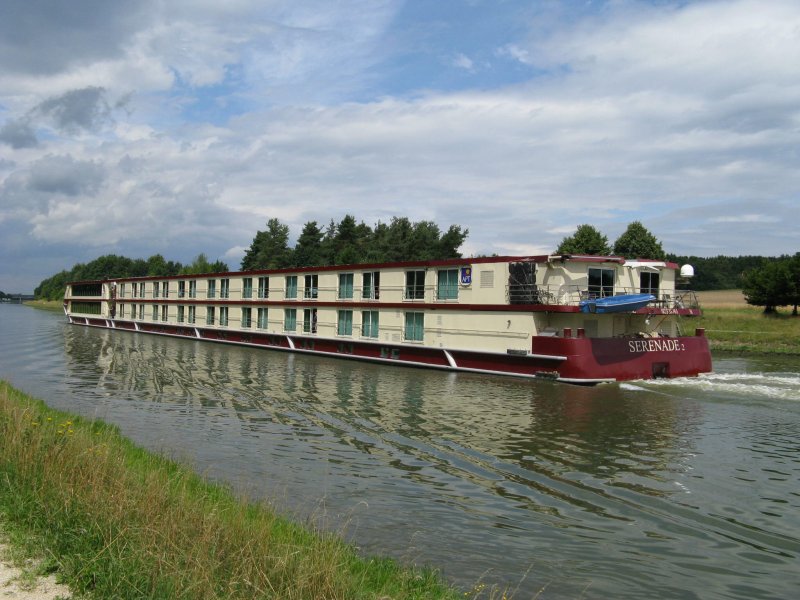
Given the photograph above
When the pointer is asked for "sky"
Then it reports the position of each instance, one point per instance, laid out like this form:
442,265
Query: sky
181,126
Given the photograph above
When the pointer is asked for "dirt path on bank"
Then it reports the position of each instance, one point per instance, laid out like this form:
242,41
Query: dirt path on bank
15,586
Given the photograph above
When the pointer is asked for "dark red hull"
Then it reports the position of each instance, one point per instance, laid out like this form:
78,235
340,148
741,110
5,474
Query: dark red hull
575,360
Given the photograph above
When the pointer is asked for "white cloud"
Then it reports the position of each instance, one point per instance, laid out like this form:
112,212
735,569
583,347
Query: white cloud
462,61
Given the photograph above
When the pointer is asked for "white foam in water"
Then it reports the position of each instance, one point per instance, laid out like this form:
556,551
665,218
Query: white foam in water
626,385
785,386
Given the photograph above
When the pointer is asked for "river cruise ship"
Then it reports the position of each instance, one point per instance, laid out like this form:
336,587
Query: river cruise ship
577,319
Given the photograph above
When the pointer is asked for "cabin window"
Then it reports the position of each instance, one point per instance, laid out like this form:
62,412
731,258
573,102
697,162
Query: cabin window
87,289
447,284
133,311
121,290
414,326
247,287
291,287
262,318
601,282
648,282
181,289
345,324
310,320
522,283
223,316
209,315
85,308
369,323
155,312
212,288
192,314
370,285
181,311
141,290
121,311
263,287
164,312
165,289
193,289
415,285
311,287
155,289
345,286
141,312
224,288
246,314
290,319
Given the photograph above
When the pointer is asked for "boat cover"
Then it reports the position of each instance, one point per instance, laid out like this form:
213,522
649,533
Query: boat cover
621,303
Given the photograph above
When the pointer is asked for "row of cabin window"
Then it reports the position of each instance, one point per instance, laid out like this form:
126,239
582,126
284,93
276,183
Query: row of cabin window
446,288
413,329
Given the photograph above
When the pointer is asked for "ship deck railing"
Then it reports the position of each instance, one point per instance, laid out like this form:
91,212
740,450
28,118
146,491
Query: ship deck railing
573,295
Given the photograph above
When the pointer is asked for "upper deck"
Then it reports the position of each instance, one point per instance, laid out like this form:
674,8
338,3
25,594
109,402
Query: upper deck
530,283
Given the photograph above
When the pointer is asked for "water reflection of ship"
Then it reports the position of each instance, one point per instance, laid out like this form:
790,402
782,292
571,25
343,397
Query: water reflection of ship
485,428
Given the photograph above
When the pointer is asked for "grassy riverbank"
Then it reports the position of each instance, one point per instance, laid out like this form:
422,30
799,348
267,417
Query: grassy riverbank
120,522
733,325
54,305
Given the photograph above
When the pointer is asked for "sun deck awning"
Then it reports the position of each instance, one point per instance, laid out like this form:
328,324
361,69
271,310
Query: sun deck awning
650,265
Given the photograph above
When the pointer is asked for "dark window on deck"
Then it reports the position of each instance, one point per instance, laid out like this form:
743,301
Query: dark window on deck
522,283
87,289
85,308
648,283
601,282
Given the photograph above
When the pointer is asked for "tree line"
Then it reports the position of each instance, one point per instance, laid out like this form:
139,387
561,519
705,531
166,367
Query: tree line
767,282
112,265
345,242
635,242
349,242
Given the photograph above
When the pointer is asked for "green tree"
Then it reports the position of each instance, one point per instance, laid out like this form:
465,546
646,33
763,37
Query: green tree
794,282
399,240
586,240
424,242
157,266
638,242
770,285
201,264
349,241
308,250
451,241
270,248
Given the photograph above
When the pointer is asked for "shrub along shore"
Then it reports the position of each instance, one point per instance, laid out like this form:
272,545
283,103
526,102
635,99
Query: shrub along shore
120,522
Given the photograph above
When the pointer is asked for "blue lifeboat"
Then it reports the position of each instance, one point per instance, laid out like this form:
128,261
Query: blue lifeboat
614,304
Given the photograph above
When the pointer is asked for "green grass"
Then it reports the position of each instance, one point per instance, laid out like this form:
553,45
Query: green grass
748,329
116,521
54,305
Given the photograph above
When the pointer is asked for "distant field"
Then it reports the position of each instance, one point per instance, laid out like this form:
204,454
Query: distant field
722,299
733,325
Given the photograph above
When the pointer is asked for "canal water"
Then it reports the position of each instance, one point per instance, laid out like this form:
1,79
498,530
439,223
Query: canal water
668,489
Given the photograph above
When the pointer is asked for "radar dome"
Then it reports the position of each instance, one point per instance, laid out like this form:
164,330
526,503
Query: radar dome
687,271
